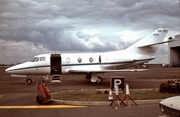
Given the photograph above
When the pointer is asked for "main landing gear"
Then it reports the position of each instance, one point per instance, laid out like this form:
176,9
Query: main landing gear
94,78
99,81
28,80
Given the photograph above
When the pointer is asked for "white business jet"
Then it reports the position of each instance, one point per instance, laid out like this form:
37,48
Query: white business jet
91,64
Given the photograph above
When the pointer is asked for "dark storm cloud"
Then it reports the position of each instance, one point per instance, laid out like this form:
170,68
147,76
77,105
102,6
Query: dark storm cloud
83,25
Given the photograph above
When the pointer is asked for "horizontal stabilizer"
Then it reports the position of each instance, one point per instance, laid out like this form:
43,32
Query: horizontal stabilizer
105,71
139,46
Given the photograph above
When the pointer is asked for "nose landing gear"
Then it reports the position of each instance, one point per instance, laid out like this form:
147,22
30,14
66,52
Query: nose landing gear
28,80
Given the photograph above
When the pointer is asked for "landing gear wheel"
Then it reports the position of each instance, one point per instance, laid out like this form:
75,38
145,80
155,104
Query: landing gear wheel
28,81
39,99
99,81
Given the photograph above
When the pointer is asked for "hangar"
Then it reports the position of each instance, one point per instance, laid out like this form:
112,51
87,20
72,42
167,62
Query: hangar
174,52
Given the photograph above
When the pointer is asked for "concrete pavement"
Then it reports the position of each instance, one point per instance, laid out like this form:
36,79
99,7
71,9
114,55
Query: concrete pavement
95,103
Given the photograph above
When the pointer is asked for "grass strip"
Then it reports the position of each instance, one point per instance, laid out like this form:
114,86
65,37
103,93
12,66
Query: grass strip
98,95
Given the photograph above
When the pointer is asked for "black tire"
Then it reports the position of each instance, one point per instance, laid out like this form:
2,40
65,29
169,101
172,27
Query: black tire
99,81
28,81
39,100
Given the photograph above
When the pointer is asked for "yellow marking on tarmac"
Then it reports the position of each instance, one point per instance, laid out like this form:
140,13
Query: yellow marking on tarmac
44,106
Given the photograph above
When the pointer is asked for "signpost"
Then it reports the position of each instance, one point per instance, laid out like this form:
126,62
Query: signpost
117,84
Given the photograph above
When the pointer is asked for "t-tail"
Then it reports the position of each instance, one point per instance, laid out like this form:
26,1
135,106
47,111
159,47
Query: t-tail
149,44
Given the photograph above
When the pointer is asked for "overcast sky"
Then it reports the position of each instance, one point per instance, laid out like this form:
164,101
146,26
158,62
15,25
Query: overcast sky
32,27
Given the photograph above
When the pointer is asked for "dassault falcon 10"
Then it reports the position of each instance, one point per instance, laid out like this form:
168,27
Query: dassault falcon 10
91,64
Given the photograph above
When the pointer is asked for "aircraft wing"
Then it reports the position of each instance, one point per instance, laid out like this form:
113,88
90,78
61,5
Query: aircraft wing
105,71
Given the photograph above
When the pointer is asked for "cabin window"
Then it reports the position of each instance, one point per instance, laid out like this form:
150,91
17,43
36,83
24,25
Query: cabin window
79,59
68,60
42,59
90,59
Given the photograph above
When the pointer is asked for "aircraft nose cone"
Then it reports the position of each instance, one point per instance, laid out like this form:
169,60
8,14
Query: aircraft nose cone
16,68
7,70
10,69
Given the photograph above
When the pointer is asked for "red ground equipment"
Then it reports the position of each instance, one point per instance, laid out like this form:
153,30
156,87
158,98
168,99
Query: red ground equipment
44,94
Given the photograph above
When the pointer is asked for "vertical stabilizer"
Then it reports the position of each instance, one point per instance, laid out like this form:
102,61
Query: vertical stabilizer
149,44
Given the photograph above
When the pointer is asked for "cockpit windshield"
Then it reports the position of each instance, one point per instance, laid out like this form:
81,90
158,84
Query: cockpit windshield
36,59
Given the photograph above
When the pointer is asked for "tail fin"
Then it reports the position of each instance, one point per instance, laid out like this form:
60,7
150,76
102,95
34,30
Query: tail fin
149,44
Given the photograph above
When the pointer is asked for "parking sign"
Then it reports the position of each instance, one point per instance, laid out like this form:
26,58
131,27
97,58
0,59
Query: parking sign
117,80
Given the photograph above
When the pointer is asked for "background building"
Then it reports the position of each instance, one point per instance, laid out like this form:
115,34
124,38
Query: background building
174,52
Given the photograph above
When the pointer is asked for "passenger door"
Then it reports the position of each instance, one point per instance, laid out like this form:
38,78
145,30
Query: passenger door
56,64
